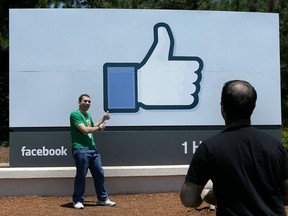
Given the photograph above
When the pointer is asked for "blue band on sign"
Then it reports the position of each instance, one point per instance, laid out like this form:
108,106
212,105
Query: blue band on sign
120,88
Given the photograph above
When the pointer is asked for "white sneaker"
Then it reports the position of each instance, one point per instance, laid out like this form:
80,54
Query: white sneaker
78,205
107,202
212,207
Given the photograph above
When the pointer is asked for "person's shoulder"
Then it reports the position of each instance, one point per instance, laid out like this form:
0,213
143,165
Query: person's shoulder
214,138
75,113
261,133
227,133
257,135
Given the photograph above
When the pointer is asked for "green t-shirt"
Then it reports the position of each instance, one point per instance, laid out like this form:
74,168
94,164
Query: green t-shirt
80,140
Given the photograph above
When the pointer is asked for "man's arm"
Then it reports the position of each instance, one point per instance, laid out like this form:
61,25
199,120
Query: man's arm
192,195
99,125
85,130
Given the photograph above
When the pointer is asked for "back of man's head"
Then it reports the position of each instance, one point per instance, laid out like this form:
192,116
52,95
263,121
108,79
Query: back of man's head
238,100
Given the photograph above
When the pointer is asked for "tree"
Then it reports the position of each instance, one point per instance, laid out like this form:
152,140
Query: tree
274,6
5,5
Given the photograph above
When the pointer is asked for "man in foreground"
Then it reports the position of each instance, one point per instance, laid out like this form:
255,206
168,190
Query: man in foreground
85,153
248,168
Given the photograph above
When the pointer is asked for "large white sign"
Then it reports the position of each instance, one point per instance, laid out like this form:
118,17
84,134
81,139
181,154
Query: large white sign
147,67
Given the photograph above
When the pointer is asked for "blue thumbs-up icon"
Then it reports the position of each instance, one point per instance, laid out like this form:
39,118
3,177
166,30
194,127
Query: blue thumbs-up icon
161,81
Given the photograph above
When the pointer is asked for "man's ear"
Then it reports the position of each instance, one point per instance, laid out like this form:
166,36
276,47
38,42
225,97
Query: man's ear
223,111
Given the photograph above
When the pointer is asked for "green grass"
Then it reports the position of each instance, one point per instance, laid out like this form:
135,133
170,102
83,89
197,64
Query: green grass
285,137
4,143
4,136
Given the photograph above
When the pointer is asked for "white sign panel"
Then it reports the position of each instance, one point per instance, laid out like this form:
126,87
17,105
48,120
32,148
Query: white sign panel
147,67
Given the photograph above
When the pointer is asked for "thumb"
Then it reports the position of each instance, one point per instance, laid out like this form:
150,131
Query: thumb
163,43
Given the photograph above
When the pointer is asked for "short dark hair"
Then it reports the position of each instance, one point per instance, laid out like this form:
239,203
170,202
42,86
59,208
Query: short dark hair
83,95
238,99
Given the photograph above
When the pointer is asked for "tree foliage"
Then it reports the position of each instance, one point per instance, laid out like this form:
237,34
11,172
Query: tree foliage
274,6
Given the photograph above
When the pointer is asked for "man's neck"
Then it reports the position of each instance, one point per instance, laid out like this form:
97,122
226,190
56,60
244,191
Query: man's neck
243,122
82,111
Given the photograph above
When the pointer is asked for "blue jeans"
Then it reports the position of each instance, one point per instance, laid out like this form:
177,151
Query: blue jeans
88,159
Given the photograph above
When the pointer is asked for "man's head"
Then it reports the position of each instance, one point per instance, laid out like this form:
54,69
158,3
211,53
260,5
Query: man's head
238,101
84,102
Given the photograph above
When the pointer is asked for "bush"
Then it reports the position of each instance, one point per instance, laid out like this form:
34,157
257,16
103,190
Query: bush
285,137
4,136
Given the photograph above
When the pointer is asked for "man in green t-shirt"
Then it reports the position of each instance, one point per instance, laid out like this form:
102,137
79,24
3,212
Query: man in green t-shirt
85,153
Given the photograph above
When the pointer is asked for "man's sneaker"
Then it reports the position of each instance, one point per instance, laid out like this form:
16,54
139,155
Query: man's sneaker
107,202
78,205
